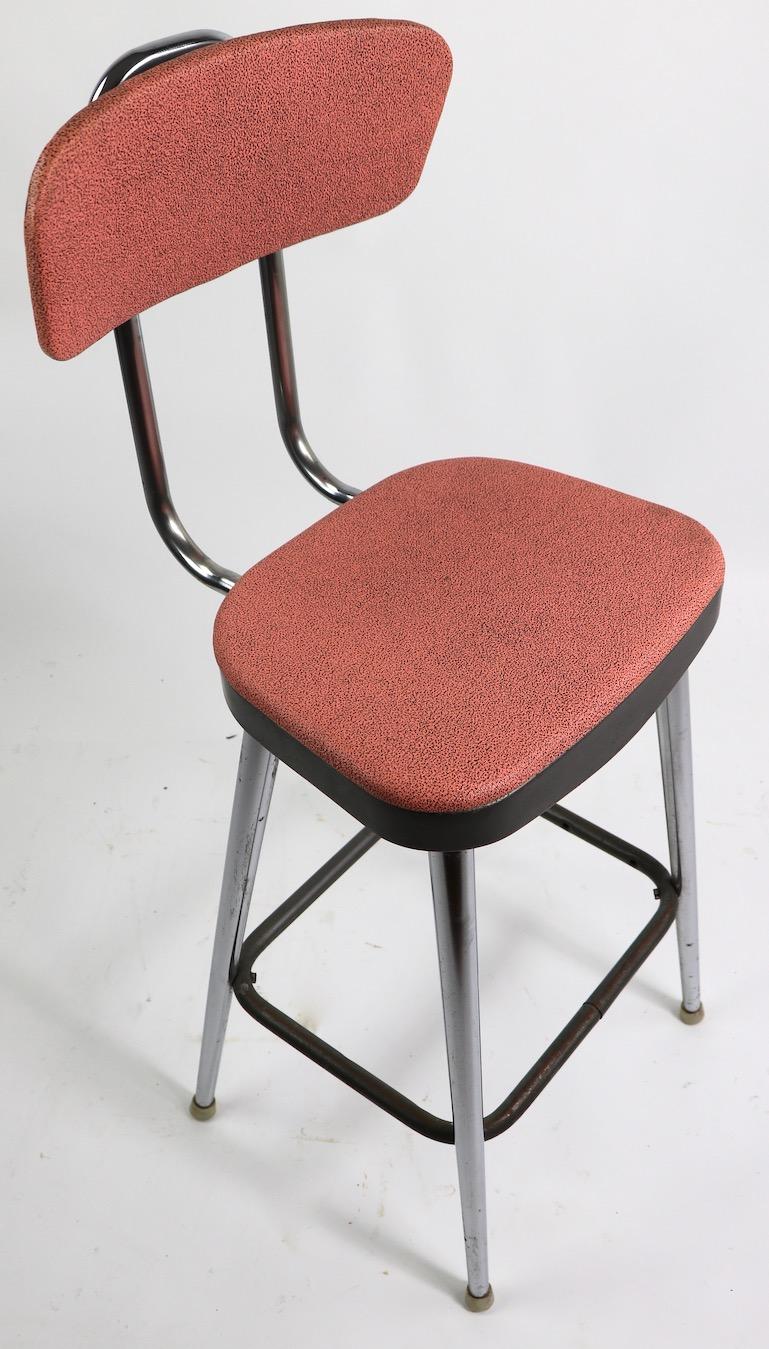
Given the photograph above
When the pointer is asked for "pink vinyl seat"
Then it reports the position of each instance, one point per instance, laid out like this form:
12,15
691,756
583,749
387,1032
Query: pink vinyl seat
453,630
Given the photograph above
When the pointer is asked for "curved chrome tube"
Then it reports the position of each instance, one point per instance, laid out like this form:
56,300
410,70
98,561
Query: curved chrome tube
136,379
273,276
153,54
133,362
149,452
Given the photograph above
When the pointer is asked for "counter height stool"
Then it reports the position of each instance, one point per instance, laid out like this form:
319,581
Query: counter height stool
461,644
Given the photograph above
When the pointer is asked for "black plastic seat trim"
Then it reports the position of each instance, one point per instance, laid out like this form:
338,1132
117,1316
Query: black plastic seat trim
458,830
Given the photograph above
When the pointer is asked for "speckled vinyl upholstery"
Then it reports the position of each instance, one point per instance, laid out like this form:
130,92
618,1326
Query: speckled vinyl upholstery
449,633
221,156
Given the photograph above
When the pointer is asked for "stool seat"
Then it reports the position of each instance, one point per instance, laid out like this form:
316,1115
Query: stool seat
449,633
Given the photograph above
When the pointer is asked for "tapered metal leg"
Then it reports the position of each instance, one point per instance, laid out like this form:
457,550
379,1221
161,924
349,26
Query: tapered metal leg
453,881
675,737
253,790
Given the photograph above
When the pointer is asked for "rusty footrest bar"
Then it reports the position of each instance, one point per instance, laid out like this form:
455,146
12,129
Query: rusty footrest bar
554,1057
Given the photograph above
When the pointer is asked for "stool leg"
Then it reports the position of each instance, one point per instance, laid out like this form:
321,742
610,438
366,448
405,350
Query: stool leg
453,882
675,737
253,790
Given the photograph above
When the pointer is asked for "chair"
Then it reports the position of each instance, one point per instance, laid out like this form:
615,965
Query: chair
454,649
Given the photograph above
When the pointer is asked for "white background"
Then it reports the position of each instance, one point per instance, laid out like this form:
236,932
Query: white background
581,280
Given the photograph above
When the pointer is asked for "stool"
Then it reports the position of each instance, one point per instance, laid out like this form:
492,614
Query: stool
454,649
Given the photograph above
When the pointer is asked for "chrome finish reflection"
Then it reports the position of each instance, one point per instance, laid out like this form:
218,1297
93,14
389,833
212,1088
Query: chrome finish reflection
453,884
133,362
151,54
253,793
276,316
136,379
149,452
674,730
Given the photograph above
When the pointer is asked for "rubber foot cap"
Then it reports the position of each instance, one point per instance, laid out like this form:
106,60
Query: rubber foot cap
479,1304
202,1111
691,1018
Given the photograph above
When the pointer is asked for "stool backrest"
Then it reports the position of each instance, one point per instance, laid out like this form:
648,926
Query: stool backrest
223,155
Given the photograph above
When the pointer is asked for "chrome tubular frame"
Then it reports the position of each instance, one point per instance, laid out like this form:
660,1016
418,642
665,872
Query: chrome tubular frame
675,740
453,883
151,54
136,378
253,793
510,1110
149,452
273,275
454,900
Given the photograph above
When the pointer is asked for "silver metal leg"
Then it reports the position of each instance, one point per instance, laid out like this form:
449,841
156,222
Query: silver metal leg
675,737
453,881
253,790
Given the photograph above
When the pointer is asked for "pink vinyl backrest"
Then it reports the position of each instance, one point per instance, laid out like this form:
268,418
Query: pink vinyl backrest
221,156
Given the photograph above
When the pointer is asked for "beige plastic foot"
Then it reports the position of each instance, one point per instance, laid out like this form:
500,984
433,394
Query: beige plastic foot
202,1111
479,1304
691,1018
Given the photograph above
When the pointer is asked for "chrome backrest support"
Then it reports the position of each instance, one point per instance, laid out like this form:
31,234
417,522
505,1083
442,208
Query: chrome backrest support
276,316
136,379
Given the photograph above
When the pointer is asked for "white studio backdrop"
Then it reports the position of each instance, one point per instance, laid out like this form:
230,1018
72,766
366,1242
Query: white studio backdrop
581,280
